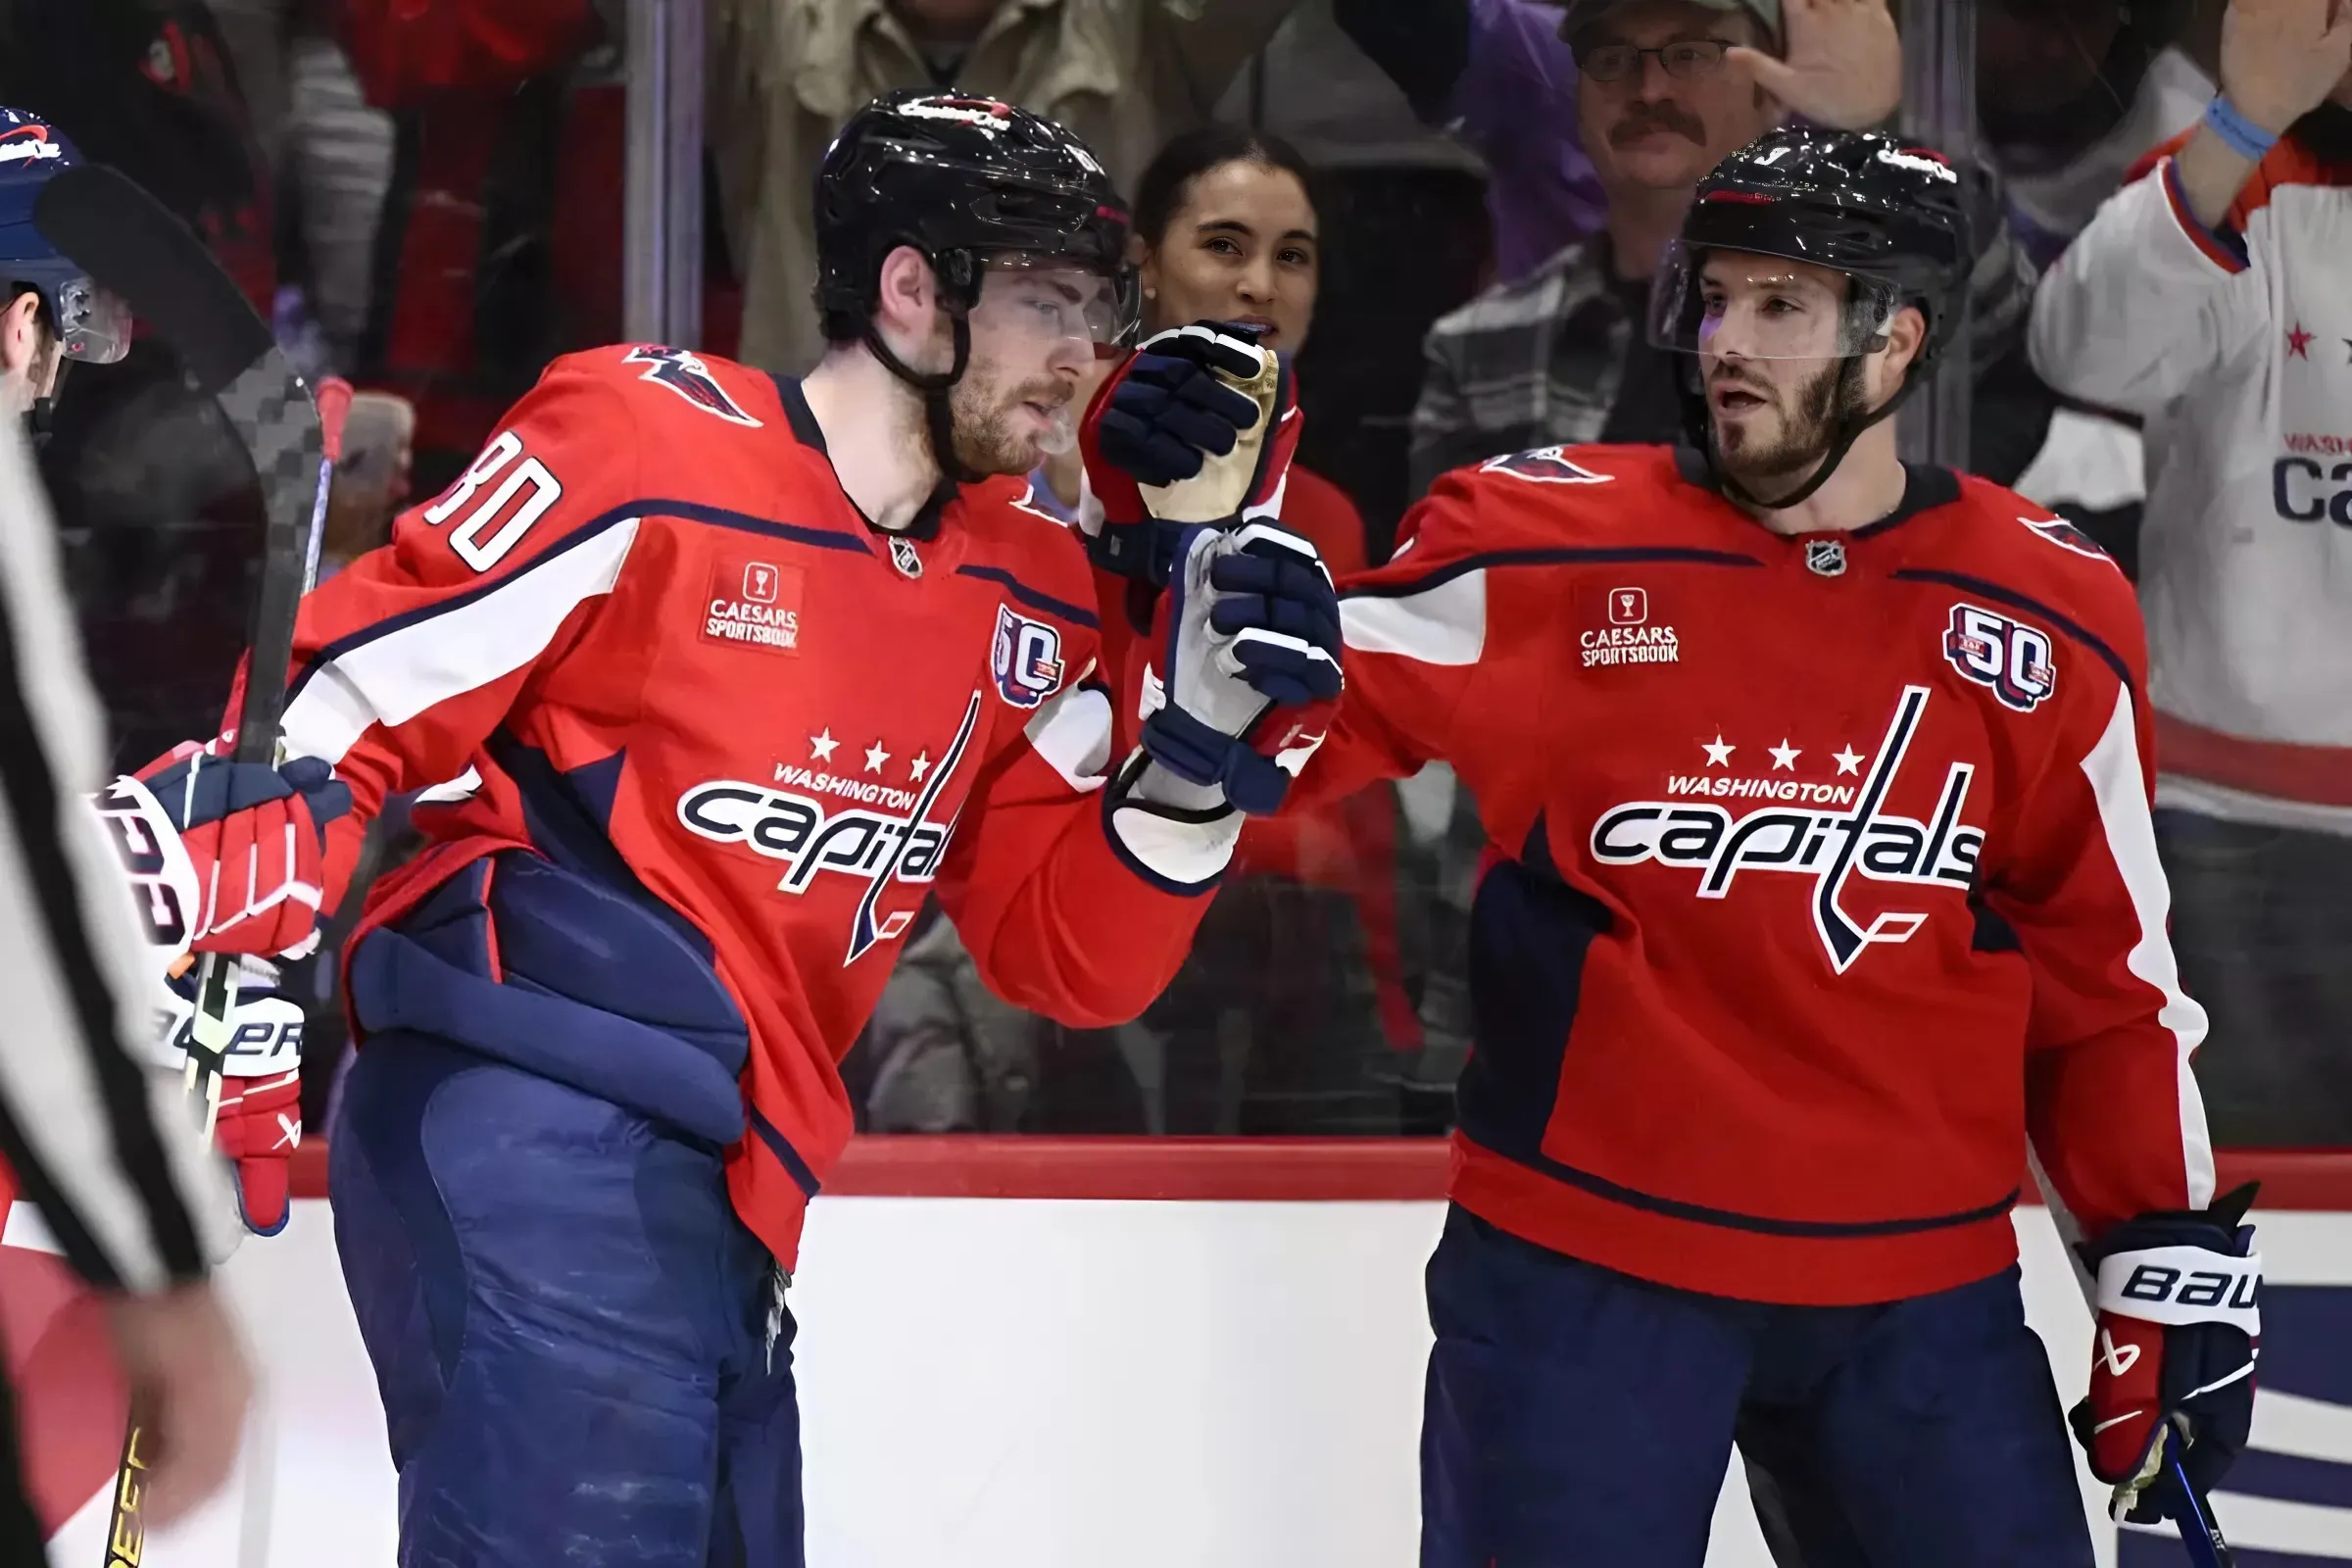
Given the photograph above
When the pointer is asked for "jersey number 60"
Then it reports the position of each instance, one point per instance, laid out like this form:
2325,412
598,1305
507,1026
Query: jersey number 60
465,539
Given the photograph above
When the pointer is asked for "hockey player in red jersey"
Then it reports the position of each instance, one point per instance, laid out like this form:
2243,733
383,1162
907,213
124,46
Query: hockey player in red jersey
1821,884
709,679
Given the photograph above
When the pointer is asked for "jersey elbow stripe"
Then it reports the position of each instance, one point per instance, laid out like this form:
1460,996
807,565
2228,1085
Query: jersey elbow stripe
2120,792
401,667
1443,624
1072,733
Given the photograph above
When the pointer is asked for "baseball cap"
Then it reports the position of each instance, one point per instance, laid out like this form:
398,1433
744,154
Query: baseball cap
1582,14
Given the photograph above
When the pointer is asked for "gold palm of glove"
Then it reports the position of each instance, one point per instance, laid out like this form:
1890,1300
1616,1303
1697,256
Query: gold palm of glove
1221,488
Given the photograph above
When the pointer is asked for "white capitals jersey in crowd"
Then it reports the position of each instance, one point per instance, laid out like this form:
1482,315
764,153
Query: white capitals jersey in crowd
2235,347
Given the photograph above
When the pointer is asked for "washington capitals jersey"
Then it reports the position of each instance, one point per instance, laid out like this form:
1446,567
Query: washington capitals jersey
646,653
1821,874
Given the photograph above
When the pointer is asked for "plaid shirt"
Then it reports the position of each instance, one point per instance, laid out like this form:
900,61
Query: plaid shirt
1526,364
1542,360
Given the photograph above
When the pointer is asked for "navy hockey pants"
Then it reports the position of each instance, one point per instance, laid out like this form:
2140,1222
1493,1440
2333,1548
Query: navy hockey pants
570,1328
1577,1418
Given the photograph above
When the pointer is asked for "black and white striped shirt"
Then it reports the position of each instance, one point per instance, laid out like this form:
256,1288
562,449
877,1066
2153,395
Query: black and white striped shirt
99,1139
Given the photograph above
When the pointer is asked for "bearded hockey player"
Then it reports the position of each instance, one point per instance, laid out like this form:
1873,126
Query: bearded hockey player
710,679
1823,886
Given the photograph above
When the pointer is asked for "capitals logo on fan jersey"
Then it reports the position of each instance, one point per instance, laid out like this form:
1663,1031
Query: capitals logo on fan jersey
690,378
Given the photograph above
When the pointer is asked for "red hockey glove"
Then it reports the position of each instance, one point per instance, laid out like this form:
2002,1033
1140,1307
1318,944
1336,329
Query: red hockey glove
259,1121
1198,425
1248,633
238,844
2178,1326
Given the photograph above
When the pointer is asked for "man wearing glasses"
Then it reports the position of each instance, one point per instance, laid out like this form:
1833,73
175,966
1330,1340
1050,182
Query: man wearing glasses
1662,92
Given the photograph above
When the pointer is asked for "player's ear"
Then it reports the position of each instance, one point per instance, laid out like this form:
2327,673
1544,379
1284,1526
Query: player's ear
1906,334
1140,256
20,332
906,296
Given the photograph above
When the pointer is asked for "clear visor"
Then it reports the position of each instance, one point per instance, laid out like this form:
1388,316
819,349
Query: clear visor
1742,305
93,326
1047,300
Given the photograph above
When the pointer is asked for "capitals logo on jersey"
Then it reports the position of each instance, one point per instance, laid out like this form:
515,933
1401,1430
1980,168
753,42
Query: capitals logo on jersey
1830,847
1026,657
690,378
2066,536
809,838
1543,465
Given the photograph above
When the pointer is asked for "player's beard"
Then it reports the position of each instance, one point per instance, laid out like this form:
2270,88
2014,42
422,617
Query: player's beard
1809,419
990,423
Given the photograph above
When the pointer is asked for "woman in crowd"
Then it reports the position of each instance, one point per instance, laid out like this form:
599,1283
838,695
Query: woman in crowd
1290,1014
1292,1017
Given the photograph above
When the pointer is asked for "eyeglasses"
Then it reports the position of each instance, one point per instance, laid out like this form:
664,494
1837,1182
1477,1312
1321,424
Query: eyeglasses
1616,62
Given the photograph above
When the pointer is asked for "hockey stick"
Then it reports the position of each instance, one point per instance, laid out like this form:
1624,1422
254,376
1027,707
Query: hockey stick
2200,1532
133,246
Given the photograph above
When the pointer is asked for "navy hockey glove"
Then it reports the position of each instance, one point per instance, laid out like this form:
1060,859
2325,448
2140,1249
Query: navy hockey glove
1198,425
1250,650
2179,1326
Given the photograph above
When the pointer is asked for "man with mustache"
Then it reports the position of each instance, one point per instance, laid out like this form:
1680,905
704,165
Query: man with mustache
1821,888
1664,90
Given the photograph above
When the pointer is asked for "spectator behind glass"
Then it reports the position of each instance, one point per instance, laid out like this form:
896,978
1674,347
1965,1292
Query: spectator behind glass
2070,95
1289,1015
2213,298
1120,73
1669,87
1406,239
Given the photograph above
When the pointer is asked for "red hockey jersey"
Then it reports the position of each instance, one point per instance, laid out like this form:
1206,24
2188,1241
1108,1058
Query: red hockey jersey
1821,872
649,597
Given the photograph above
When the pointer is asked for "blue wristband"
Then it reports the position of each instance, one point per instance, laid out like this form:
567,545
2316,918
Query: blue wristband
2237,133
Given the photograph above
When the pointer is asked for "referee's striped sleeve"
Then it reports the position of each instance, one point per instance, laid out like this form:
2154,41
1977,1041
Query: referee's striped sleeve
104,1144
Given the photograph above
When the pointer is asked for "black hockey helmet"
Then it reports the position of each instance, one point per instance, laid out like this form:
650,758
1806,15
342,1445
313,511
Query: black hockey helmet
1890,215
959,177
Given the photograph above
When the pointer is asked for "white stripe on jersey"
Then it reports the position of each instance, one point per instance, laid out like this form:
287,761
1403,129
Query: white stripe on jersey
1072,733
1442,626
391,679
2121,790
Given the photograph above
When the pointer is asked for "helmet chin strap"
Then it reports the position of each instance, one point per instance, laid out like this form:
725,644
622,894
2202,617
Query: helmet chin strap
1850,430
937,389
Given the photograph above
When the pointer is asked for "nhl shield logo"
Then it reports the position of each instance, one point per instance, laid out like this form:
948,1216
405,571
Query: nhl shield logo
905,557
1825,558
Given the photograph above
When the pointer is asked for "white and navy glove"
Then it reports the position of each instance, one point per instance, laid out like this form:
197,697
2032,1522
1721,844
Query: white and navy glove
259,1122
2179,1323
1198,425
1246,674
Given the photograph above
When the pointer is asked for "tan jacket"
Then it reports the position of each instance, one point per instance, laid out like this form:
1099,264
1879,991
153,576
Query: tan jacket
1124,74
